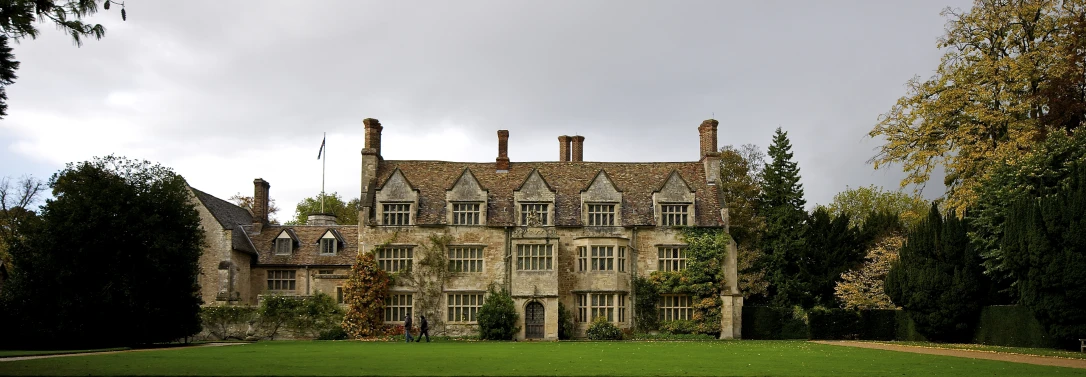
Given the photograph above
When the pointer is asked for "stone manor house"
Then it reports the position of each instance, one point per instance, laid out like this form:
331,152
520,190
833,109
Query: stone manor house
569,231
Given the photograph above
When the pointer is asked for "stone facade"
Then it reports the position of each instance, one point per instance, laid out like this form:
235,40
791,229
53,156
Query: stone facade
568,231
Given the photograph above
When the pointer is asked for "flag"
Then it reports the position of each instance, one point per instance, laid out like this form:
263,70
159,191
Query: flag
322,149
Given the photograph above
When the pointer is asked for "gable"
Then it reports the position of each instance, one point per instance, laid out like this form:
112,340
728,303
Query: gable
534,188
334,234
397,189
466,189
288,234
602,189
674,190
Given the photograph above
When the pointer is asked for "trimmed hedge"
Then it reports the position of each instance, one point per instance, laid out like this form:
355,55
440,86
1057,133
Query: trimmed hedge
854,325
762,322
1011,326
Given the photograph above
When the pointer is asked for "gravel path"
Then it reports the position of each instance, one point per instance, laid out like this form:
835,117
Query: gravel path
18,358
974,354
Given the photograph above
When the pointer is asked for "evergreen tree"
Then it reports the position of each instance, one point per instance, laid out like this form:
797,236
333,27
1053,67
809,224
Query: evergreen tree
112,260
1044,247
365,293
938,278
498,316
832,248
782,206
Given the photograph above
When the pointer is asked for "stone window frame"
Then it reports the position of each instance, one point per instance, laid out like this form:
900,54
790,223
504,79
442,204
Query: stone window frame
590,215
619,254
534,192
667,213
456,310
465,259
282,280
591,305
456,215
526,258
407,213
547,215
328,246
671,258
403,256
285,243
340,296
674,191
397,305
672,307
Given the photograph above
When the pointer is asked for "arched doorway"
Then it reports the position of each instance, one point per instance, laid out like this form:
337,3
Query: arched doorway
534,320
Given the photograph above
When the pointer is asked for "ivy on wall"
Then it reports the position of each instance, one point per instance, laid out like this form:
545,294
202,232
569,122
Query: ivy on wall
703,280
428,277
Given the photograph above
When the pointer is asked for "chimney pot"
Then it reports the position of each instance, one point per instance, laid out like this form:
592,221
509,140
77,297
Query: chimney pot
502,162
707,132
578,149
373,136
260,201
563,148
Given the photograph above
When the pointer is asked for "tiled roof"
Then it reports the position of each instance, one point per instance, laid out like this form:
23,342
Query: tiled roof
227,214
308,250
637,181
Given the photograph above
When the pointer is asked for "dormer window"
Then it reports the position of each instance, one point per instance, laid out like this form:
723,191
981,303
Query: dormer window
328,246
534,214
601,215
465,213
674,214
396,214
331,242
284,243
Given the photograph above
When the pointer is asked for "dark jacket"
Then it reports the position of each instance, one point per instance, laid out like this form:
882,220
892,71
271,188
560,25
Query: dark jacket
424,326
407,322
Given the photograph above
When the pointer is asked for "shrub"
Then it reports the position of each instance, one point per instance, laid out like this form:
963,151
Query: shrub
565,322
679,326
833,324
365,293
667,336
760,322
275,313
498,316
335,333
222,321
645,314
602,329
317,314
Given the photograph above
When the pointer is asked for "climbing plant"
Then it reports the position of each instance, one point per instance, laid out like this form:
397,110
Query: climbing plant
703,280
428,278
365,293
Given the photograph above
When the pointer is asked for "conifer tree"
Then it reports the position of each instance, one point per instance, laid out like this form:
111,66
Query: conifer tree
782,206
938,278
365,293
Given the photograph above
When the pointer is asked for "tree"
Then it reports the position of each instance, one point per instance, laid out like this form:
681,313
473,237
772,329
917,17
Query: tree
741,182
832,247
17,19
860,202
365,293
1046,251
346,213
15,202
498,315
247,203
1041,174
864,288
111,260
782,204
1011,75
938,278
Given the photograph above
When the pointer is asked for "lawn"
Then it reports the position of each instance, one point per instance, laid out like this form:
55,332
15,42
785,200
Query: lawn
739,358
9,353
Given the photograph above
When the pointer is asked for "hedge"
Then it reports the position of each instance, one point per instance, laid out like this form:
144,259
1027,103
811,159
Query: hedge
761,322
1011,326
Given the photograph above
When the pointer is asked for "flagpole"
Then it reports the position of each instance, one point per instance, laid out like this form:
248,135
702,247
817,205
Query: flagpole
324,164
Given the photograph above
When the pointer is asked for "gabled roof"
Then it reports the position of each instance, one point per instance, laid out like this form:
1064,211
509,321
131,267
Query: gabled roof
290,233
597,177
307,253
469,175
227,214
239,240
674,176
534,173
335,234
638,181
393,175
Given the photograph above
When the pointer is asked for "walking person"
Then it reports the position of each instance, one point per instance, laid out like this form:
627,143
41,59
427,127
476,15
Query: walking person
407,327
424,328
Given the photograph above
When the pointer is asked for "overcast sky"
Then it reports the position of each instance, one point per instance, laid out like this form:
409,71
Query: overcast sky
227,91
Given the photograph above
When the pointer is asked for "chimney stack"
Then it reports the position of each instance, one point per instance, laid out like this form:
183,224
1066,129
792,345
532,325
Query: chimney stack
578,149
260,203
373,137
502,162
708,139
563,148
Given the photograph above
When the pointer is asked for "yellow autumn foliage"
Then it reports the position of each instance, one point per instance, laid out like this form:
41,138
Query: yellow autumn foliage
863,288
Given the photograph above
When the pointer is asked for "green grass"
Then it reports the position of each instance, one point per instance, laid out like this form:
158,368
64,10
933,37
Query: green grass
982,347
10,353
741,358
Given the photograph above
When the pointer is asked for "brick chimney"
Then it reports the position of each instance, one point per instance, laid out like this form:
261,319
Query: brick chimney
260,203
578,149
373,137
563,148
708,139
502,162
